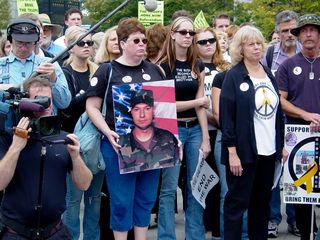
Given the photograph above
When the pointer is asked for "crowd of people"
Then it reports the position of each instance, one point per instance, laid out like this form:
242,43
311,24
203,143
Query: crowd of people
234,91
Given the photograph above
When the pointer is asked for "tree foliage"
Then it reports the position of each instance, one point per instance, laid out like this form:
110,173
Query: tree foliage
259,12
4,13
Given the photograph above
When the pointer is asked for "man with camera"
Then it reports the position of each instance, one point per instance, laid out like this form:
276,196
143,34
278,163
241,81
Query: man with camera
33,172
22,61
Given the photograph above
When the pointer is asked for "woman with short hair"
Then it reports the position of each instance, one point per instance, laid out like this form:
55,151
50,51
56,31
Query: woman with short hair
132,195
252,135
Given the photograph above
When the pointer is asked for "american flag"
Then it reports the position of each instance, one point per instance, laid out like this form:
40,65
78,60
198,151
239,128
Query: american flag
164,102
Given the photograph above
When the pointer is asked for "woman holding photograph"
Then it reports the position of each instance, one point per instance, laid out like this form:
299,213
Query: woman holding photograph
179,62
132,195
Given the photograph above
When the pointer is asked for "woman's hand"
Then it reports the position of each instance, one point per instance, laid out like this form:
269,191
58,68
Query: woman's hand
113,138
235,164
285,155
205,148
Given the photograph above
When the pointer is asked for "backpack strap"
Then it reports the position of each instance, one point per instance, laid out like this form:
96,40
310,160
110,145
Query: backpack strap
269,56
104,106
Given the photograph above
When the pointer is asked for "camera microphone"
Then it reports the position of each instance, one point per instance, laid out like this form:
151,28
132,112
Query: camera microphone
30,106
150,5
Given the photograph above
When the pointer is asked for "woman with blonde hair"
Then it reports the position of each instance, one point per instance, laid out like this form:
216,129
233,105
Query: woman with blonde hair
109,48
252,135
180,62
224,45
78,70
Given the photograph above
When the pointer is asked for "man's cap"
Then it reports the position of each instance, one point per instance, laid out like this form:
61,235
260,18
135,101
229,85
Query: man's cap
46,22
308,19
23,30
142,96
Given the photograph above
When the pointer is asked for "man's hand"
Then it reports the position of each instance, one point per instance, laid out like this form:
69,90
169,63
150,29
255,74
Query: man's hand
314,127
73,149
49,69
20,137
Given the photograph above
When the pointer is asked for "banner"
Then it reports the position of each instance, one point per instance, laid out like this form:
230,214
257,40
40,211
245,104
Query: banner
149,18
27,6
203,180
200,21
301,171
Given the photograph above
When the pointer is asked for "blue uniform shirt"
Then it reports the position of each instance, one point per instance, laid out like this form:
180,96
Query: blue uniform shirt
14,71
54,48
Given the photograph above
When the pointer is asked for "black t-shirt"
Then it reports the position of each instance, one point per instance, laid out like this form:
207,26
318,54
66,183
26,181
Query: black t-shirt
78,83
121,74
186,83
218,79
21,194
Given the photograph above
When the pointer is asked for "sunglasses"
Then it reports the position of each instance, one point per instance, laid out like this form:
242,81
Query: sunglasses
82,43
205,41
138,40
185,32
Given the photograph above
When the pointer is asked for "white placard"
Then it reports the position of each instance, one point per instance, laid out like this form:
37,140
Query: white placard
204,178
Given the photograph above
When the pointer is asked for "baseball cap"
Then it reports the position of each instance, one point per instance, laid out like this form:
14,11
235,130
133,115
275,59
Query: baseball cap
142,96
23,30
308,19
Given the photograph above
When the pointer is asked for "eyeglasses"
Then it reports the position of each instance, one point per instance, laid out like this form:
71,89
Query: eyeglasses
185,32
138,40
27,44
82,43
205,41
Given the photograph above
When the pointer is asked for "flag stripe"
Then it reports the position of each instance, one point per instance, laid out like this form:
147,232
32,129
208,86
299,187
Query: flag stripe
165,110
168,124
162,93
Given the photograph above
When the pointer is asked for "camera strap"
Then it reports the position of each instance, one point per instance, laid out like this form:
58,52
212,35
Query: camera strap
32,233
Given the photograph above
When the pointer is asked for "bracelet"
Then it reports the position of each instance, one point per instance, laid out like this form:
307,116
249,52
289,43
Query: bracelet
20,132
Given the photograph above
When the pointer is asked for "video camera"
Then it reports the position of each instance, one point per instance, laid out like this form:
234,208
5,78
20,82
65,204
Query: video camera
15,104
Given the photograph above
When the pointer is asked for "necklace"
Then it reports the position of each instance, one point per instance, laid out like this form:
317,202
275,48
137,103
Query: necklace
311,73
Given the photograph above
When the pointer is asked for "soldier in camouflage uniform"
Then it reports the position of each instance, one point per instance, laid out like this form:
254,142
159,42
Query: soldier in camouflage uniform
146,147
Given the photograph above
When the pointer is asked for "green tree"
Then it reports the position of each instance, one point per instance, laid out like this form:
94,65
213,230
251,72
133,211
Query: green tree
259,12
4,13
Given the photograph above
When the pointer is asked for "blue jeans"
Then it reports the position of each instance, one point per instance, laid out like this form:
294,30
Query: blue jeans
132,195
194,228
92,201
275,208
224,188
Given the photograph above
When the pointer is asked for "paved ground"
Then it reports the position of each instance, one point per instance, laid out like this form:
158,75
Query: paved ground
152,234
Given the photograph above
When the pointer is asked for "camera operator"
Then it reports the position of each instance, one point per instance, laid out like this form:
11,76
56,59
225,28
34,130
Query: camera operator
24,34
21,173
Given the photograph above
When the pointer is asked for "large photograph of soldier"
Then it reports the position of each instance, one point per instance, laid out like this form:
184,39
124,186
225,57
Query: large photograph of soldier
147,126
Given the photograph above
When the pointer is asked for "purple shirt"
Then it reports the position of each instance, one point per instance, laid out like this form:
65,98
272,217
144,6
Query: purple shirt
279,56
293,78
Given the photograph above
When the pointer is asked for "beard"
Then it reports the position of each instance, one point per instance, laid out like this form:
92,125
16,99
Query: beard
290,43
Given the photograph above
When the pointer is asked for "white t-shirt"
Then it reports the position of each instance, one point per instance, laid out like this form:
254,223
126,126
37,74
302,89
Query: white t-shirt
267,101
210,74
60,41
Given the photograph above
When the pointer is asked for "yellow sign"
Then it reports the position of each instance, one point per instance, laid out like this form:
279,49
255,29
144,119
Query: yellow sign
200,21
27,6
149,18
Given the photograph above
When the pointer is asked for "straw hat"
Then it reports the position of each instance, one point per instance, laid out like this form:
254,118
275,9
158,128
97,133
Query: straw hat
45,19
